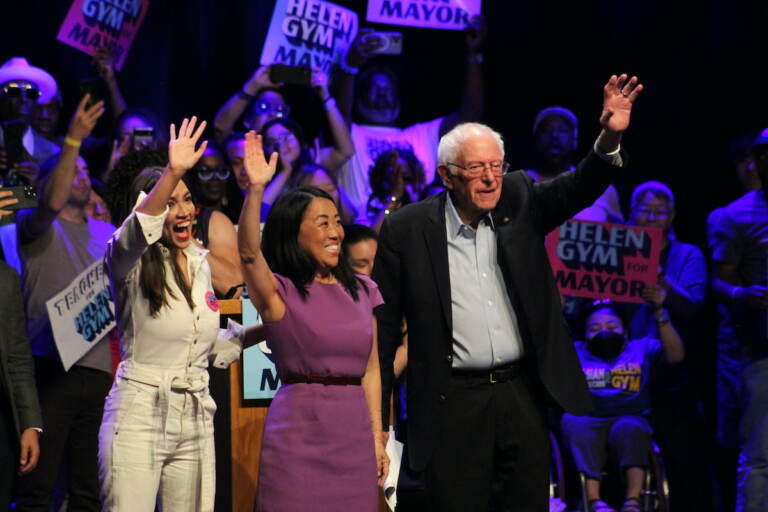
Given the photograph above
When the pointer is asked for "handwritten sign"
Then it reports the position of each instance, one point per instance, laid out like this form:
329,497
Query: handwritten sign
81,314
309,33
442,14
603,260
93,24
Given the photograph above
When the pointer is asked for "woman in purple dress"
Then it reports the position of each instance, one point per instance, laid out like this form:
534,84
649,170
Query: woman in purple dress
323,446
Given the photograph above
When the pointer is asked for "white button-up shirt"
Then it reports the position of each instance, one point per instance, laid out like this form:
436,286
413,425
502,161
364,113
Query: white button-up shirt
178,341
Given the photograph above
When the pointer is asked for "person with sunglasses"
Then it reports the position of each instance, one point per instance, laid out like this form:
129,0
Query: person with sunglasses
22,149
214,185
258,102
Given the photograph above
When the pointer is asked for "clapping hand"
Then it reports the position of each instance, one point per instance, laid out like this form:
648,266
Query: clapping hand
181,150
619,94
84,120
257,168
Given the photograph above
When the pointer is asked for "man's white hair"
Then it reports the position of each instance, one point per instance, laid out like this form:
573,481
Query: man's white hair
451,143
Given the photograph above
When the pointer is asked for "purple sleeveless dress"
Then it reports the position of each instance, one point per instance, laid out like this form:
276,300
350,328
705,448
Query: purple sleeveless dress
318,451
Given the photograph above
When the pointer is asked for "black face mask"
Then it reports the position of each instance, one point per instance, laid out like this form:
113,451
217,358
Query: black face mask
606,345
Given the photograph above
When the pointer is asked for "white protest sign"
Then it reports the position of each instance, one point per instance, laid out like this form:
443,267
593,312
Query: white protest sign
81,314
308,33
442,14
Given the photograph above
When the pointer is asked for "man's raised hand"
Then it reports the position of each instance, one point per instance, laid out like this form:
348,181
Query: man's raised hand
619,94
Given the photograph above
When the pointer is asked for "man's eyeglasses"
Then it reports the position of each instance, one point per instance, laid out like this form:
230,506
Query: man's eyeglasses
280,110
476,170
14,90
206,173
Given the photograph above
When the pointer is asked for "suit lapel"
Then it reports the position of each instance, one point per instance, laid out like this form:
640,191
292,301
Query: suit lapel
437,247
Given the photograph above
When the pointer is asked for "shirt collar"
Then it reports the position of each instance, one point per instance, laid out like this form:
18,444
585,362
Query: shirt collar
454,223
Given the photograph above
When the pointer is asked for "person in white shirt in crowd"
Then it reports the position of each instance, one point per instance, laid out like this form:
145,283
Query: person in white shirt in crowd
376,104
168,318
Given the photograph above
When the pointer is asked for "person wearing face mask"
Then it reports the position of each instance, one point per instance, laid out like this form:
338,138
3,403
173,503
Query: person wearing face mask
156,436
617,369
737,234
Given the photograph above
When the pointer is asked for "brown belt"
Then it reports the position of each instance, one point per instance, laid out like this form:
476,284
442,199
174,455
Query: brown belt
326,380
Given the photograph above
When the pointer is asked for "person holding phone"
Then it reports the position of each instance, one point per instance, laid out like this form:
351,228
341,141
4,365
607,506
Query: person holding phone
322,444
373,94
258,102
286,137
22,148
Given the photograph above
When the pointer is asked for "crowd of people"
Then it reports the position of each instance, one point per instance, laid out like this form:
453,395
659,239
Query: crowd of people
402,280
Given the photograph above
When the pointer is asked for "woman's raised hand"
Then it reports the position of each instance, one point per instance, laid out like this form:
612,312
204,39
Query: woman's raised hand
257,168
181,150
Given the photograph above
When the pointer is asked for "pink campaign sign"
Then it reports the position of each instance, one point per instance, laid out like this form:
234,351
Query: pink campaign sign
93,24
603,260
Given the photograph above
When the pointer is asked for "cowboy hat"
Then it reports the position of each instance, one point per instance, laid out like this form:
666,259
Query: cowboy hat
17,68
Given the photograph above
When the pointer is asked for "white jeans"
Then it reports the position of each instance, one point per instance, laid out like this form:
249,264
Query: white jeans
146,458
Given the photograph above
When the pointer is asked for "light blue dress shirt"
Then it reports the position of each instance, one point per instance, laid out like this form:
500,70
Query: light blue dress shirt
485,329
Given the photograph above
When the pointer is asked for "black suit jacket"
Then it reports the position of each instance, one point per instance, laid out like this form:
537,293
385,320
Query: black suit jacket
411,270
16,367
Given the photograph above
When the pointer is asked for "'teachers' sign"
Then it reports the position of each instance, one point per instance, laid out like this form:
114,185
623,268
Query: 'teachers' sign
443,14
93,24
602,260
308,33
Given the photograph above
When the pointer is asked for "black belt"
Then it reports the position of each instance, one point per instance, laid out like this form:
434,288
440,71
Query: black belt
493,376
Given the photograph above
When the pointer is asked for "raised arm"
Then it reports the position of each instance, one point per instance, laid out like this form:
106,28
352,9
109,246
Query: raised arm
343,149
472,96
262,284
139,229
105,65
671,343
559,199
58,185
231,111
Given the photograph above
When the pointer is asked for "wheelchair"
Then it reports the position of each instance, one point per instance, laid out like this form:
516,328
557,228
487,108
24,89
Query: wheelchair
654,496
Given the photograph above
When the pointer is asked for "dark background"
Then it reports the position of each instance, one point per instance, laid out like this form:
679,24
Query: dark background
700,62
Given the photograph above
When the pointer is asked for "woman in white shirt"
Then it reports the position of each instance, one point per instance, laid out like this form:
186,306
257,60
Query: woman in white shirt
156,437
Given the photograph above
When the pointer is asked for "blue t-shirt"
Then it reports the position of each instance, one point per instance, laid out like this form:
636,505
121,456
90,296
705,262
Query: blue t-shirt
620,385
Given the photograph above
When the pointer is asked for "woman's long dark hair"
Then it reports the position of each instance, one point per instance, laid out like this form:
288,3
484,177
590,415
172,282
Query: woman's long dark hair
381,170
281,248
152,279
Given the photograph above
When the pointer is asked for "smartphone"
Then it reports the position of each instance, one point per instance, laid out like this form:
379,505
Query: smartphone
282,73
143,137
13,133
390,43
26,194
92,87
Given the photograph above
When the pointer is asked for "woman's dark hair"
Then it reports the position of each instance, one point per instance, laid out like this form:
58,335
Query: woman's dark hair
305,171
611,306
381,169
281,248
152,279
121,179
293,127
